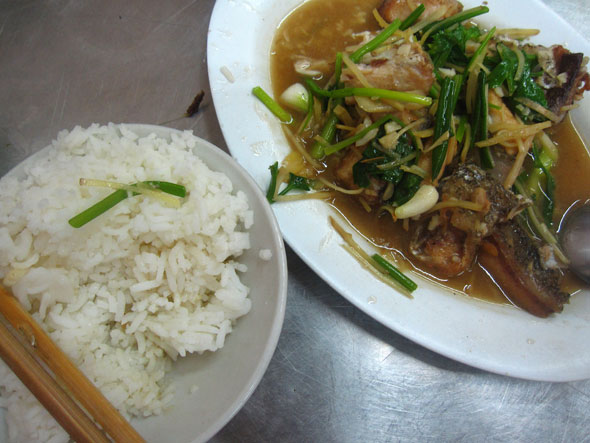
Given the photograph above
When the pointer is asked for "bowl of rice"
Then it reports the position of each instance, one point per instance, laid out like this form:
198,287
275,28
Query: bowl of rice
173,312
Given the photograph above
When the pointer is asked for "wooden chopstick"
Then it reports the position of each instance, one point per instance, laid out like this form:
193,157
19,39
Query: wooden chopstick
67,413
66,373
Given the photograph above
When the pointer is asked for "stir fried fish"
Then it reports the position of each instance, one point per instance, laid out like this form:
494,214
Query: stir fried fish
402,67
471,135
508,253
447,243
517,267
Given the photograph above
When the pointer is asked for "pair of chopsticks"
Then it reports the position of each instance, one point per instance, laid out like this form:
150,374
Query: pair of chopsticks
74,413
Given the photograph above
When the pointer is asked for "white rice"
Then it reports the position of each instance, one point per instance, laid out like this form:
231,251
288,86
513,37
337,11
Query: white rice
129,292
265,254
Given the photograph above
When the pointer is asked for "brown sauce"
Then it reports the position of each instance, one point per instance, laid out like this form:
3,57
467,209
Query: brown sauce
318,30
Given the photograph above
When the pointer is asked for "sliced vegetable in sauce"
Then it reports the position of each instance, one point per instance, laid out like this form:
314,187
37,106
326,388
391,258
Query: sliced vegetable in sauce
328,133
407,188
444,115
449,47
480,121
331,149
296,97
394,112
542,166
379,163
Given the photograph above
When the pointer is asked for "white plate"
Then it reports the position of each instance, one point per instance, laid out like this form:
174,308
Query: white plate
497,338
225,379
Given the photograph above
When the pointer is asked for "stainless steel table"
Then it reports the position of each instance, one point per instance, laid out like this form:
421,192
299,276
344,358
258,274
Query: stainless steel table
337,375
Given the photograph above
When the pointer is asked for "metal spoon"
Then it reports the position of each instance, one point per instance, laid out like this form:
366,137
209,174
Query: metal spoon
575,240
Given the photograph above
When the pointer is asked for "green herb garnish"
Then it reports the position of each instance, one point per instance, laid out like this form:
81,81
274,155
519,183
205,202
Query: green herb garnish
395,273
121,194
272,105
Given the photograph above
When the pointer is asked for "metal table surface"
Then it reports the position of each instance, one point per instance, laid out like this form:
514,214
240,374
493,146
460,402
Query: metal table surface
337,374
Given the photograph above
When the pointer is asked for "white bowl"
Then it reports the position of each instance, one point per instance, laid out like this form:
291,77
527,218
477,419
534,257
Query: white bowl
226,378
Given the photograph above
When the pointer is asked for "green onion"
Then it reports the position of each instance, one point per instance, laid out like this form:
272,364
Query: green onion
118,196
434,90
461,128
377,41
296,97
135,189
485,155
383,93
338,69
457,89
328,132
309,114
539,226
331,149
482,47
99,208
457,18
411,19
542,165
444,114
394,164
549,203
365,259
272,105
395,273
549,148
272,187
545,158
369,92
533,182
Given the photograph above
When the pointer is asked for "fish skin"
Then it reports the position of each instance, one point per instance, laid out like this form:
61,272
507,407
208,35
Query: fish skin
565,76
451,247
392,9
577,82
519,272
